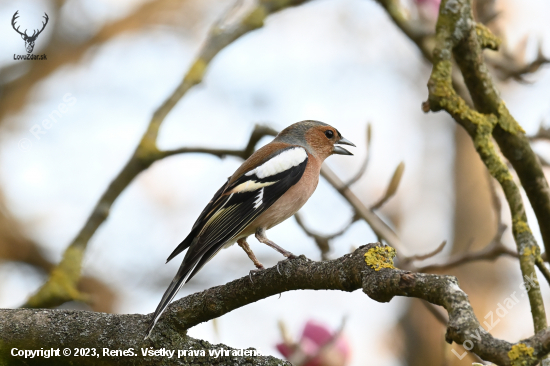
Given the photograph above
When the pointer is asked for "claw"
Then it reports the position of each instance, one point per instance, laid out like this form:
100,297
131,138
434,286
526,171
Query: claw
288,256
252,271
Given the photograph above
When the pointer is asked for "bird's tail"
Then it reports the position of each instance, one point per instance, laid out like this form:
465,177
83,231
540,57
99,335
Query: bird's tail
185,270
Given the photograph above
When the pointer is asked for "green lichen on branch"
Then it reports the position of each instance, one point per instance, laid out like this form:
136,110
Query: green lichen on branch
507,122
380,257
521,355
62,283
487,38
458,35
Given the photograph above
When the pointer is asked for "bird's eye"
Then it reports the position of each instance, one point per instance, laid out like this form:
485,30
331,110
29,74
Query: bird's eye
329,134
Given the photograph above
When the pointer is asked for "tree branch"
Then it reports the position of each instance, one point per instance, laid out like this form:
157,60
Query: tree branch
459,35
369,268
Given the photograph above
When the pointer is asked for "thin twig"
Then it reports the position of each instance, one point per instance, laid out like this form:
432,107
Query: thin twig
542,134
323,241
494,250
421,257
544,270
380,228
365,163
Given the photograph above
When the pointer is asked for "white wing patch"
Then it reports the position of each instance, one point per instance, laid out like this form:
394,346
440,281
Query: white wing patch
259,199
284,161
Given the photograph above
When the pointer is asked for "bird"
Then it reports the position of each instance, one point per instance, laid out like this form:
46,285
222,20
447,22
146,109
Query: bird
268,188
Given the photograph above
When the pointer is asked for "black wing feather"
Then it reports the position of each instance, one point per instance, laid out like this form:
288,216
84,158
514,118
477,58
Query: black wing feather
209,209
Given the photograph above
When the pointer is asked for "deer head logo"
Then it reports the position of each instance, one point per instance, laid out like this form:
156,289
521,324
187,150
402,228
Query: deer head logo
29,40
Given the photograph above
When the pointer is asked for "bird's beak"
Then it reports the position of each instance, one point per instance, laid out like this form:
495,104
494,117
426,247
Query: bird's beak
340,150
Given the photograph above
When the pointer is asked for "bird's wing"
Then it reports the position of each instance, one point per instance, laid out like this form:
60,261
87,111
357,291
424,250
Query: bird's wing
234,207
208,211
238,202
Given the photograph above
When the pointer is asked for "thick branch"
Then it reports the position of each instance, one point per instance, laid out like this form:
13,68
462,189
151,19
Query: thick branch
28,329
508,133
459,35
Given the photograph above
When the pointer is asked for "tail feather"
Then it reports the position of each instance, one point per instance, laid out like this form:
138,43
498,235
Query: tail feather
192,263
186,243
179,280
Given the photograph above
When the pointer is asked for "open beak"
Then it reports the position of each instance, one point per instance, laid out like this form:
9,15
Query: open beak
340,150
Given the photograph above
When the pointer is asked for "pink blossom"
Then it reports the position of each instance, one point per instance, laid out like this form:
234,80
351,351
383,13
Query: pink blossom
317,347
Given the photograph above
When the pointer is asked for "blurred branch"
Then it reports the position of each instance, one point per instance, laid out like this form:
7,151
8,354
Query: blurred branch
15,93
380,228
459,35
544,270
421,38
322,241
491,252
420,257
542,134
258,133
511,66
365,163
358,270
61,286
494,250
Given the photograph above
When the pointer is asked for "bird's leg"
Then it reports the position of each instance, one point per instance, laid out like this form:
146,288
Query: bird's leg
243,244
260,235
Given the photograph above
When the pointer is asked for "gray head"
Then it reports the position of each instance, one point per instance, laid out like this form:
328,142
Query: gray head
316,137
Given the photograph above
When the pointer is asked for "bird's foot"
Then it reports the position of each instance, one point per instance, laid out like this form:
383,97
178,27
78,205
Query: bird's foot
252,271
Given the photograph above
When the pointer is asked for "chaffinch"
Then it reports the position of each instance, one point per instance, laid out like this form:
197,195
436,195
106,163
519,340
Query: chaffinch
268,188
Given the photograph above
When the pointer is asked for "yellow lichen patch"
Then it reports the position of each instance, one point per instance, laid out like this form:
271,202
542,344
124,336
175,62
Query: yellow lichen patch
380,257
520,226
487,38
531,250
520,355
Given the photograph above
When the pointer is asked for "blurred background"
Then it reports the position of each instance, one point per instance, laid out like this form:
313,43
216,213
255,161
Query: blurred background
341,62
